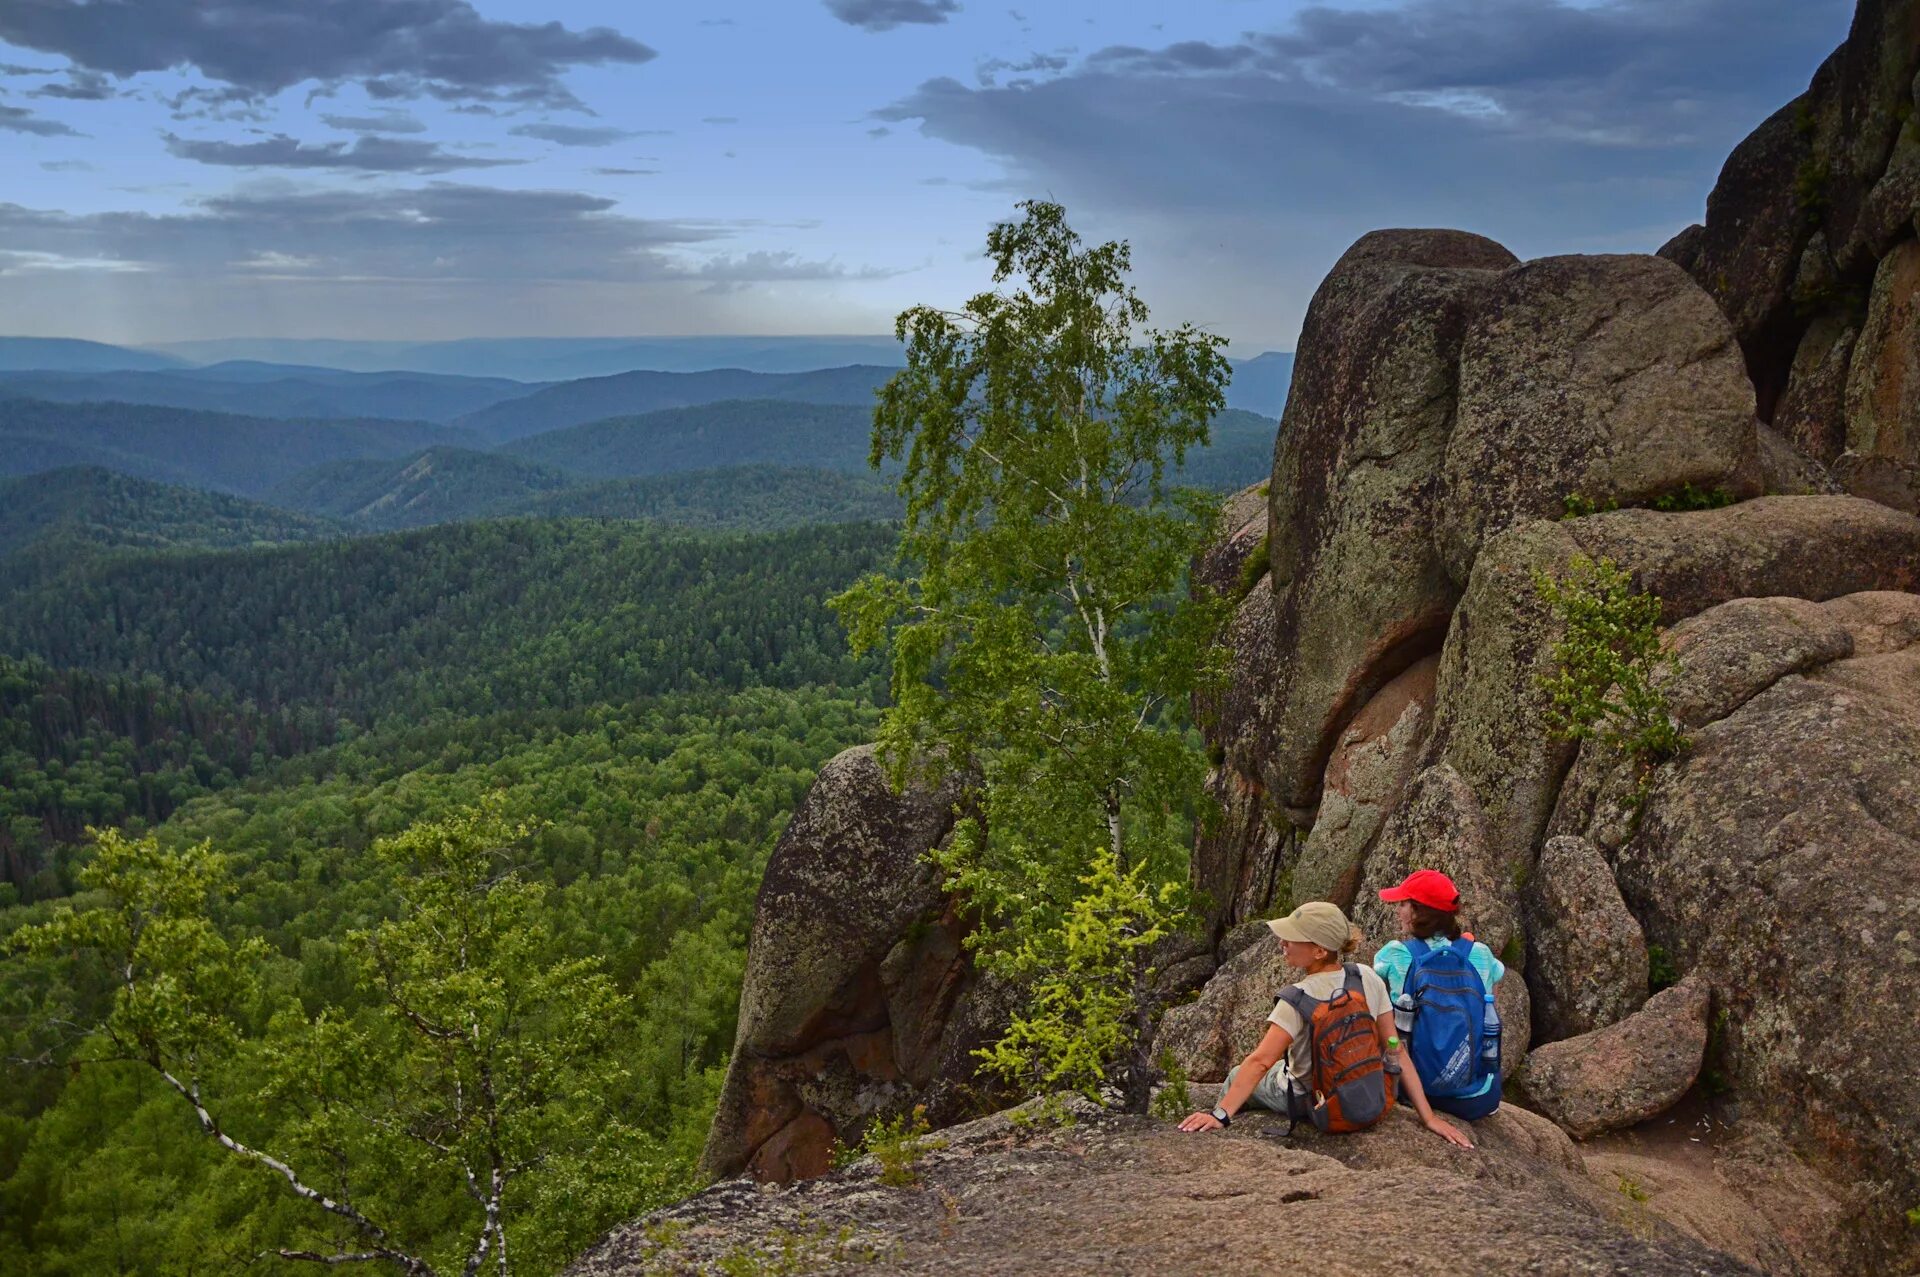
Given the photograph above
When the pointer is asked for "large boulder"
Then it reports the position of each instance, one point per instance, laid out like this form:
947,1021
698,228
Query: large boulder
1626,1072
1612,377
858,999
1883,382
1779,860
1370,765
1359,590
1491,721
1214,1032
1587,958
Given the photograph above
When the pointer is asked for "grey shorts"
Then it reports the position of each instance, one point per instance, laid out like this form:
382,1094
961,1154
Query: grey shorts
1271,1093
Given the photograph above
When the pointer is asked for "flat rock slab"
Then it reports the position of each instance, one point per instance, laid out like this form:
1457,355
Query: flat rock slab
1627,1072
1134,1195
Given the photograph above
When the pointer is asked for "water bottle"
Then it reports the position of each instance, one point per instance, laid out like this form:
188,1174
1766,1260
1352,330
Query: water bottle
1403,1016
1490,1040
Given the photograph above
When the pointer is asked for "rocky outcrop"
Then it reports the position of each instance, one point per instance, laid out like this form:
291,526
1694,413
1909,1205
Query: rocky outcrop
1108,1194
1627,1072
857,1000
1613,378
1215,1031
1808,246
1587,961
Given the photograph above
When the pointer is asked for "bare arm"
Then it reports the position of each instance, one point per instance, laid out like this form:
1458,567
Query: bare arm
1411,1087
1271,1050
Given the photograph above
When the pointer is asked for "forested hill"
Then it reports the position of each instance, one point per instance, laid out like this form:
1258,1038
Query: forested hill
439,485
739,431
63,511
469,617
272,390
245,455
574,403
746,498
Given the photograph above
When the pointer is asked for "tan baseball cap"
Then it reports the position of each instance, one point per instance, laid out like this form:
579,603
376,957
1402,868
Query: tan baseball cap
1316,922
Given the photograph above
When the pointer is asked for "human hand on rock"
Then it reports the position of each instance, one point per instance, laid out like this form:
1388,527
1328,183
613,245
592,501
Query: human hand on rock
1448,1131
1200,1122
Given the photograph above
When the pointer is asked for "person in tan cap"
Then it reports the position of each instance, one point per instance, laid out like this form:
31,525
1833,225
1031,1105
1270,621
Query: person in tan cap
1278,1073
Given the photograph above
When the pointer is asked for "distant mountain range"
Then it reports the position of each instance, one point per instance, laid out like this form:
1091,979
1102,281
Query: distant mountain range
552,358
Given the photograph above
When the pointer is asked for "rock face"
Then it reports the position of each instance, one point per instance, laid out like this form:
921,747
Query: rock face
1587,967
1626,1072
1809,248
857,998
1614,378
1133,1195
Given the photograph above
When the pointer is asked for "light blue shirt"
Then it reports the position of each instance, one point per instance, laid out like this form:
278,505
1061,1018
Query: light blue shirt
1394,961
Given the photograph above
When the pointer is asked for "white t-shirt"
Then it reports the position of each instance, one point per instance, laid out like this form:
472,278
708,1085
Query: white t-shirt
1323,985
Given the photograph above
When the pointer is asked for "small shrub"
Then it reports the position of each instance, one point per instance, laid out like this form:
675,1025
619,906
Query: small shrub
1605,684
899,1143
1632,1190
1689,497
1256,565
1913,1216
1171,1100
1579,507
1514,952
1660,969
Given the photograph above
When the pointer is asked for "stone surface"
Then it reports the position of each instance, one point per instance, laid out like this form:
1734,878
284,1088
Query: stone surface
1132,1195
1490,717
1883,379
1369,766
1812,412
1613,377
1352,498
854,1000
1785,471
1239,537
1586,956
1627,1072
1439,825
1214,1032
1731,652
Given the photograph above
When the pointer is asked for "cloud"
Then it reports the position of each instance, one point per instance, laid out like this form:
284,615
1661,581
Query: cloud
1243,168
17,119
989,71
719,119
571,134
81,86
385,122
396,48
885,15
626,172
366,154
66,166
440,231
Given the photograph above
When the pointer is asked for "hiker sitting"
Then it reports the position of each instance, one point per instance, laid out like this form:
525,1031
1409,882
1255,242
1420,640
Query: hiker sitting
1442,984
1329,1047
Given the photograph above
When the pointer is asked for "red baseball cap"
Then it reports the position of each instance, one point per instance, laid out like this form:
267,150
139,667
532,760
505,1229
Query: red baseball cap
1427,887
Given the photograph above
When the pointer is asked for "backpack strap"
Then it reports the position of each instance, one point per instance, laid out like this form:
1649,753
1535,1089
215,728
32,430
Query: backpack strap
1463,946
1353,982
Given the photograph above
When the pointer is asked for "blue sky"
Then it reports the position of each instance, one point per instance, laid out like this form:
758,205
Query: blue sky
428,169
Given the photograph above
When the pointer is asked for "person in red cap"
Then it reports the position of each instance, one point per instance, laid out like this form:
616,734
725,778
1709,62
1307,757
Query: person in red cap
1453,978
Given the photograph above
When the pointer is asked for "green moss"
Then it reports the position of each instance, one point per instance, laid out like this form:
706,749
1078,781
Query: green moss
1689,497
1579,506
1514,952
1661,973
1253,569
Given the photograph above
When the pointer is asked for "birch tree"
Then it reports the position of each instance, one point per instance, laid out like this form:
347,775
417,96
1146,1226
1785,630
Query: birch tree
1041,634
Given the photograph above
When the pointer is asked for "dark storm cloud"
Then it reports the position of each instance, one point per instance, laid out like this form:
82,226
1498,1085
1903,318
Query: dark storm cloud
438,48
385,122
442,231
80,86
366,154
1439,109
17,119
572,134
885,15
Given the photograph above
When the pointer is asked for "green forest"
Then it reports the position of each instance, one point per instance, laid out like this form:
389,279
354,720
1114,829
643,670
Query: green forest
289,679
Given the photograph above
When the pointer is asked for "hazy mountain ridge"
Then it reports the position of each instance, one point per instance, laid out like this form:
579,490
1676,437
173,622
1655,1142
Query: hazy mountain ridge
94,507
272,390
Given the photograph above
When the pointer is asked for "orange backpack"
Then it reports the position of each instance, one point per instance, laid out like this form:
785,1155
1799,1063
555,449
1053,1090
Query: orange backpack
1348,1086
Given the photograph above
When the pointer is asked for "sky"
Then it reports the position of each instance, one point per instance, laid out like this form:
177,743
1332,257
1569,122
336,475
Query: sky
436,169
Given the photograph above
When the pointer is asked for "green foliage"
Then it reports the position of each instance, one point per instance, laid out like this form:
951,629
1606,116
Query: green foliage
1661,973
735,498
1083,1016
1256,566
898,1143
515,614
1170,1101
477,1074
1043,641
1913,1216
1688,497
434,486
1579,506
788,1252
1608,664
1632,1189
55,515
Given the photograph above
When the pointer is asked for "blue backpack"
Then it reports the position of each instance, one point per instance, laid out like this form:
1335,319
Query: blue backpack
1448,1000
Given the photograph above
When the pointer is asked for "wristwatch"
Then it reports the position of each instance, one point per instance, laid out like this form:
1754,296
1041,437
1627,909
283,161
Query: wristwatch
1221,1116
